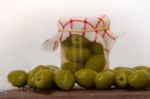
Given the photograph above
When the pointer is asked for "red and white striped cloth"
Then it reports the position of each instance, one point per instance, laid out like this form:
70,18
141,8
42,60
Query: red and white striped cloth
96,29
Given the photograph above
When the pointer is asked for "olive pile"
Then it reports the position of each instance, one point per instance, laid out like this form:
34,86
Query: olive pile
51,77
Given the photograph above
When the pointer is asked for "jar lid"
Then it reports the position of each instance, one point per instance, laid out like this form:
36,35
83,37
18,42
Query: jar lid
95,29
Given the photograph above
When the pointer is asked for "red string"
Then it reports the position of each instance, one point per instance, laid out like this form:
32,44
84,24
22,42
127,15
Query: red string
54,45
90,24
71,25
66,23
85,22
61,24
104,33
109,35
62,32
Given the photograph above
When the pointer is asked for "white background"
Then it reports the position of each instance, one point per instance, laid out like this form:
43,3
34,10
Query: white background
25,24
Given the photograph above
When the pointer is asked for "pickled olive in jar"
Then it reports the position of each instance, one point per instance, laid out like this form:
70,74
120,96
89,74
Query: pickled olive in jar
82,53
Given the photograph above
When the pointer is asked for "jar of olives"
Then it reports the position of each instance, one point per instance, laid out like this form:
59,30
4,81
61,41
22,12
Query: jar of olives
85,42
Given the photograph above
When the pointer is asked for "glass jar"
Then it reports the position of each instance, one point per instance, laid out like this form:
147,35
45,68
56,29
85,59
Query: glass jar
85,43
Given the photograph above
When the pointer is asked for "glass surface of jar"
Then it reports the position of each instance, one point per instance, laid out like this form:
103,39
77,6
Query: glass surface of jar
85,42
